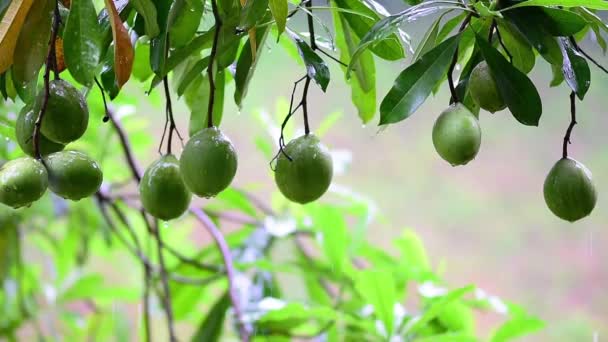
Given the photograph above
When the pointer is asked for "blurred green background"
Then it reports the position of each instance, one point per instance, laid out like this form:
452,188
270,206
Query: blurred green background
486,222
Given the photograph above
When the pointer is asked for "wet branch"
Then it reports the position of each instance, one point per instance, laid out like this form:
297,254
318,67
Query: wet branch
212,56
571,126
454,98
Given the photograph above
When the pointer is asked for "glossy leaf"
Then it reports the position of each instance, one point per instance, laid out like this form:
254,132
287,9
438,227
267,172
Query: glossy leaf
315,66
517,90
531,26
591,4
561,22
147,10
212,325
33,44
558,75
252,13
363,85
246,65
377,287
517,45
386,44
416,82
575,69
429,40
141,62
279,11
158,45
197,100
449,26
191,75
10,26
123,50
82,41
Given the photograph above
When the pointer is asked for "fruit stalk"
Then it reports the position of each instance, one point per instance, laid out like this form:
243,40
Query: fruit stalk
212,55
571,126
313,46
454,98
50,58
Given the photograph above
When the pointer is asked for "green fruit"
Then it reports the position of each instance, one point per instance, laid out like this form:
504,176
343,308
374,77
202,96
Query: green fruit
24,131
484,89
73,175
308,174
569,190
186,23
22,181
208,162
456,135
67,115
163,191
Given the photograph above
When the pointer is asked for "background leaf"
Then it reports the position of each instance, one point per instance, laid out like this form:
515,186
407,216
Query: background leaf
279,11
147,10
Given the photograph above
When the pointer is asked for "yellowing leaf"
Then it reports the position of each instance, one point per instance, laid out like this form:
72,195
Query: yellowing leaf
123,50
10,26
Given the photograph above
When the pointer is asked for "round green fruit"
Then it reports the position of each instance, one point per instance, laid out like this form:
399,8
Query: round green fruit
67,115
162,190
569,190
73,175
308,174
484,89
456,135
208,162
24,131
186,24
22,181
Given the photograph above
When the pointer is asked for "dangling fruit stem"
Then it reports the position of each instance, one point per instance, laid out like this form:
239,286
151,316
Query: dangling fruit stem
218,25
571,126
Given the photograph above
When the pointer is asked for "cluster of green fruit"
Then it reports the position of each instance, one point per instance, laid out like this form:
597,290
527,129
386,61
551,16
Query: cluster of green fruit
568,189
208,165
69,174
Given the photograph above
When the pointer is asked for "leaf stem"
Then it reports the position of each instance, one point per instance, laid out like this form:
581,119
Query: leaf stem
50,57
571,126
212,57
454,98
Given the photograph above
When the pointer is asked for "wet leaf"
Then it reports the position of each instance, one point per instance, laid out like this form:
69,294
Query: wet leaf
575,69
82,41
147,10
315,66
123,50
279,11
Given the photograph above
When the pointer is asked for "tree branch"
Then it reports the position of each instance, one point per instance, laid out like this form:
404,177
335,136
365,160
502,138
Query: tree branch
212,55
455,98
571,126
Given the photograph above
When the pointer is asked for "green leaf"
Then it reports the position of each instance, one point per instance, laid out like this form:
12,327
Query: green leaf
385,45
429,40
449,26
32,44
530,24
558,75
517,90
519,324
191,75
235,199
377,287
591,4
576,70
331,224
363,85
211,327
292,316
563,23
597,25
147,10
82,41
517,45
449,337
158,45
279,11
246,65
315,66
416,82
252,13
413,253
435,309
141,63
197,100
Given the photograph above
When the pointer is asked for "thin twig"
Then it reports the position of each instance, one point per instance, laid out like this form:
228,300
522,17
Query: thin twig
47,75
332,57
212,55
454,98
126,146
591,59
313,46
167,301
170,118
103,98
571,126
222,245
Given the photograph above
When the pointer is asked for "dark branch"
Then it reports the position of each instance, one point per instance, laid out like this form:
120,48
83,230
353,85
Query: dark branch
47,75
571,126
455,98
212,55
